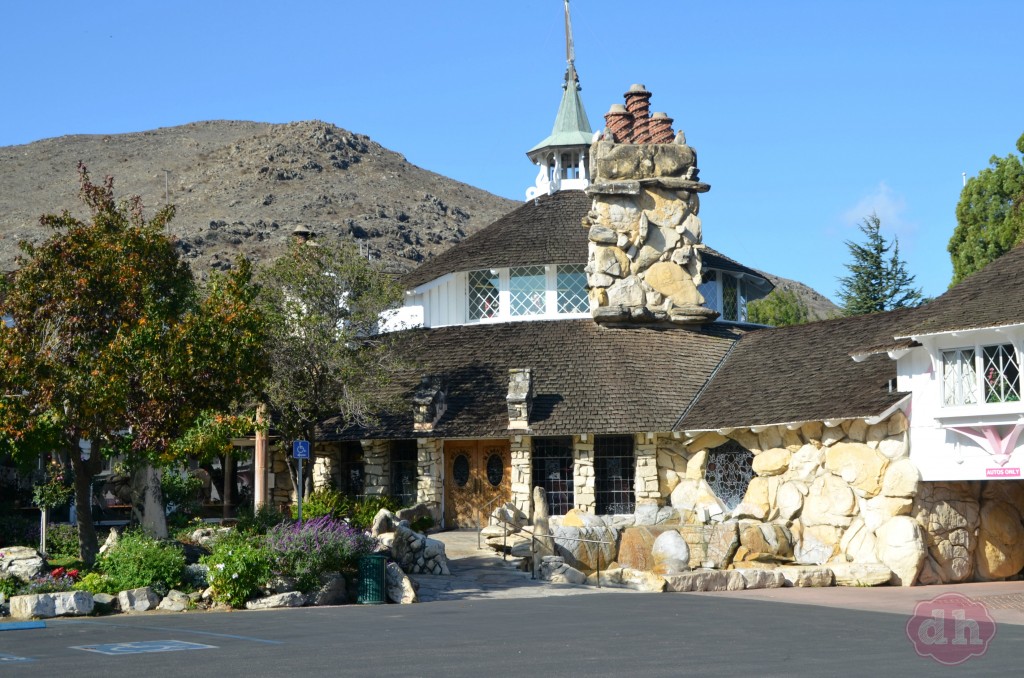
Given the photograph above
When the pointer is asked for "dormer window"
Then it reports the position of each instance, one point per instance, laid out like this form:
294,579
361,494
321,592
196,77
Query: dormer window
980,374
527,293
725,293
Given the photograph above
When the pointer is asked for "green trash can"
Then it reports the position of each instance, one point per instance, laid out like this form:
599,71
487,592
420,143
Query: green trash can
372,580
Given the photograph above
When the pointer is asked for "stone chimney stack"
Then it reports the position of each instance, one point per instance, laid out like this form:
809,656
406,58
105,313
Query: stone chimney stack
520,398
638,103
429,403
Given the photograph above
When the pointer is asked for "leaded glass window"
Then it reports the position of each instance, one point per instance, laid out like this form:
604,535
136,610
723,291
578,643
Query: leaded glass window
614,470
483,294
526,290
572,289
730,298
1002,374
959,379
709,290
552,470
728,472
403,471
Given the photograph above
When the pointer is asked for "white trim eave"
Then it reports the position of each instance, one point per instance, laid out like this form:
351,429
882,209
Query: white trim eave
889,411
794,425
427,286
953,333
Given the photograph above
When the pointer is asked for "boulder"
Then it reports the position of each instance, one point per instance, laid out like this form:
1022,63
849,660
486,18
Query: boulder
878,510
722,544
399,588
772,462
331,591
626,577
383,523
900,546
652,514
806,575
509,515
174,601
789,500
949,514
290,599
670,553
817,544
114,536
21,562
756,503
705,580
901,479
578,547
138,600
104,602
860,574
1000,552
47,605
421,511
697,496
829,501
555,570
861,467
758,578
577,518
636,545
858,543
770,539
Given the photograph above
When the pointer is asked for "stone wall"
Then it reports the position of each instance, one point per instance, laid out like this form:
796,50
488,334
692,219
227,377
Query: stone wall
377,467
430,462
522,474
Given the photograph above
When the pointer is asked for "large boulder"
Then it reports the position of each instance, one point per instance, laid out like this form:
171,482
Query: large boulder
770,539
860,466
637,543
1000,552
555,570
900,546
829,501
789,500
697,496
949,514
331,591
578,518
806,575
46,605
138,600
858,543
860,574
756,503
670,553
21,562
757,578
627,577
705,580
290,599
383,523
580,548
174,601
772,462
421,511
398,587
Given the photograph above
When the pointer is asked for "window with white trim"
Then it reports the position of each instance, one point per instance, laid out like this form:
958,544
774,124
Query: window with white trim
483,294
725,293
526,290
572,289
980,374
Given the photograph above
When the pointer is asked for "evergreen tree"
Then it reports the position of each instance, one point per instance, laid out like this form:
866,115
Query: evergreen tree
877,282
989,220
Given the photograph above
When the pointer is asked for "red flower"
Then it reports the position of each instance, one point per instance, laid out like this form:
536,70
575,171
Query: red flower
59,572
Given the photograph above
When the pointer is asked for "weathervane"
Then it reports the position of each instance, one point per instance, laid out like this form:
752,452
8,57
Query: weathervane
570,53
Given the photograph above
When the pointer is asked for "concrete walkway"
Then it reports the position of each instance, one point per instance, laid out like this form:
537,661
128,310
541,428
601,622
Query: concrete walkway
481,574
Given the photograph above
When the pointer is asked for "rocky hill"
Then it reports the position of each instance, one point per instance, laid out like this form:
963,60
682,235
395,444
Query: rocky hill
242,187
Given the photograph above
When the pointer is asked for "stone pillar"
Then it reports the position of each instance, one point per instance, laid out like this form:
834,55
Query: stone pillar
428,481
522,473
376,467
324,467
281,492
645,481
583,474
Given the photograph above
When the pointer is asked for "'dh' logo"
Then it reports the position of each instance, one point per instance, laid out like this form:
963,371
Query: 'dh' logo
951,629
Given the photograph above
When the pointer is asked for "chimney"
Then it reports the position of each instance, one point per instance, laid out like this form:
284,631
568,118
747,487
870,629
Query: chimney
428,403
520,398
660,129
619,123
638,103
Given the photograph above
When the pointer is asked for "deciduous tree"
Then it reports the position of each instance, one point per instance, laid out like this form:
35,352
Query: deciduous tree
989,216
779,309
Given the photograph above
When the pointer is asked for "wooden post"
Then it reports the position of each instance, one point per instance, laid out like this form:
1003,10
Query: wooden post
260,460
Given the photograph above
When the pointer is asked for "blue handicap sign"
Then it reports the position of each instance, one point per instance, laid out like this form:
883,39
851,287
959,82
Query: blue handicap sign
300,449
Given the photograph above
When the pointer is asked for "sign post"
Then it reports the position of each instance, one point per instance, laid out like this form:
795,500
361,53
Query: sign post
300,451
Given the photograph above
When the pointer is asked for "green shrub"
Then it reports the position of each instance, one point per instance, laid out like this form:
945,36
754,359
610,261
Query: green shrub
10,586
239,566
139,560
323,502
61,541
94,582
309,549
181,491
364,511
259,521
422,524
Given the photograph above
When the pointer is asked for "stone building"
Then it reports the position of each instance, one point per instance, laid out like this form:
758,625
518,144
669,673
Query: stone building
589,343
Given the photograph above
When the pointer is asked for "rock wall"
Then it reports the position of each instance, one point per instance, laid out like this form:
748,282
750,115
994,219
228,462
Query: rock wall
522,474
429,481
377,467
583,478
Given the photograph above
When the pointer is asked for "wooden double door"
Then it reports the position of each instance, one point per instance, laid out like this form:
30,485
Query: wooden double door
477,480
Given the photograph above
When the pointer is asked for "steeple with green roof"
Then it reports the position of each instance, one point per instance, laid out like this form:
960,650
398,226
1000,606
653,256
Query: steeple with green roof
562,155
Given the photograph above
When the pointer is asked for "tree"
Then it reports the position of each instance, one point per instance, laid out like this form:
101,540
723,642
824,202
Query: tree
876,283
779,309
113,342
328,360
989,218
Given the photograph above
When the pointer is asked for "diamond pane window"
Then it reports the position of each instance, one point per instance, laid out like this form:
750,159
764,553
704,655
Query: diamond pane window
709,290
572,289
728,472
730,298
959,379
483,294
526,290
1002,375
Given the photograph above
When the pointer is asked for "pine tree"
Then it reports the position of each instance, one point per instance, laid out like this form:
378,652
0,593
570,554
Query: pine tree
876,282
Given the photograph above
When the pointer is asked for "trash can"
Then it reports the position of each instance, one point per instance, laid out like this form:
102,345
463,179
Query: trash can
372,580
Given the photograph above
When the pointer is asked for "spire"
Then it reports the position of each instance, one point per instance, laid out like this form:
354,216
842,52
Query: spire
561,155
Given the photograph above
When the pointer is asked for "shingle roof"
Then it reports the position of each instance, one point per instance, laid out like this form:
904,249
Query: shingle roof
543,231
800,373
587,378
992,297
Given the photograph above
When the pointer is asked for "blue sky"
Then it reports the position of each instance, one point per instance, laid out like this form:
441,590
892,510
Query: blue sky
807,116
